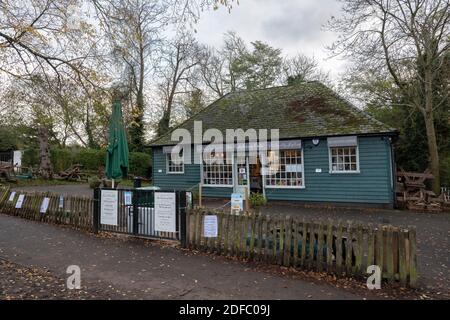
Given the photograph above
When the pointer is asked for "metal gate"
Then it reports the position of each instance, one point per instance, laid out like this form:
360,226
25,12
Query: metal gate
136,214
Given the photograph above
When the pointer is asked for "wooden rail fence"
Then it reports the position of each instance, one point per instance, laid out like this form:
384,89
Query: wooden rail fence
335,247
74,211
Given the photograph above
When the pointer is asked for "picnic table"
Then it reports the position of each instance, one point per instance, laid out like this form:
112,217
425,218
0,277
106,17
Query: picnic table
411,191
7,172
74,173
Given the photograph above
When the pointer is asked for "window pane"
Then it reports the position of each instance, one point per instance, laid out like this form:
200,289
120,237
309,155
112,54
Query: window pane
343,159
216,170
286,170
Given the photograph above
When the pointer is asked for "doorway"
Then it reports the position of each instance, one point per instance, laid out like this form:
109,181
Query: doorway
248,174
241,176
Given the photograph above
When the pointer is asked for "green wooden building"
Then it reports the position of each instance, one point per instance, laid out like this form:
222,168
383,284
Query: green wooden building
330,151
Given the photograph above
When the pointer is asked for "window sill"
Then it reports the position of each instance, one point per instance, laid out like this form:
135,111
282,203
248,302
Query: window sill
218,185
175,172
285,187
345,172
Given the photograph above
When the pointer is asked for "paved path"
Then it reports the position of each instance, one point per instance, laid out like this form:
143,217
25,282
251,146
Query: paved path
147,269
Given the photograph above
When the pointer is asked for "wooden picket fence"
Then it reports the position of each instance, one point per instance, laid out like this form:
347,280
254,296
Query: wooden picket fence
73,211
334,247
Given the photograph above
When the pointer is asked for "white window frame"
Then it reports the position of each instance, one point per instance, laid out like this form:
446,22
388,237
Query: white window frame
330,164
303,186
217,185
168,167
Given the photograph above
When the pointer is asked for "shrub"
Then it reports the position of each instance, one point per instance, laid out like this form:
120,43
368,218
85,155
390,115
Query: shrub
94,182
257,200
445,171
140,164
61,158
91,159
30,157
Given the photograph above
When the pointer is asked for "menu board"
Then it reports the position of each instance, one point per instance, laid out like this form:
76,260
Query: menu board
109,206
165,211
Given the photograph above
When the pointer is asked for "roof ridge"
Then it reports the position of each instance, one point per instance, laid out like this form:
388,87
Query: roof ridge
224,96
275,107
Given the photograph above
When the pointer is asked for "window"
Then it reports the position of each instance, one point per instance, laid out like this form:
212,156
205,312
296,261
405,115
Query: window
173,166
216,171
344,159
286,171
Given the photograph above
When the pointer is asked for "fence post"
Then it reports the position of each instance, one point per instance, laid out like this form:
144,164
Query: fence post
135,202
413,257
182,212
137,183
96,215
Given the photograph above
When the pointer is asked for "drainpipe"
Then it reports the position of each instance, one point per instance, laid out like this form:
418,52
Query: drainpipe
394,170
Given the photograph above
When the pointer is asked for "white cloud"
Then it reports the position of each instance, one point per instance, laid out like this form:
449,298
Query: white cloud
292,25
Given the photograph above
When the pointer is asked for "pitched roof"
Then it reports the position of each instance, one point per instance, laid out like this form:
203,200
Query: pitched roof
299,111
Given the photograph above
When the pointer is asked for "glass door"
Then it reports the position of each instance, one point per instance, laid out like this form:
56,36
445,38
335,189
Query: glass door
242,176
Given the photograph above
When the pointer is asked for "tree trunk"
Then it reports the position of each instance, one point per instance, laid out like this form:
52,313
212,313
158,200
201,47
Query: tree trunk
430,129
45,166
137,126
433,151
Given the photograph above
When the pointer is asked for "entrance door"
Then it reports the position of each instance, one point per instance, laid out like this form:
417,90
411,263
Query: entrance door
241,176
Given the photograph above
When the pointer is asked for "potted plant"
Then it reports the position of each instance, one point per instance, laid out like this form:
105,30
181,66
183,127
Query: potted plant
257,200
94,182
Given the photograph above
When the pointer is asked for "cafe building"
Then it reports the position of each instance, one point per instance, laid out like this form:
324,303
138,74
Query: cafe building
329,150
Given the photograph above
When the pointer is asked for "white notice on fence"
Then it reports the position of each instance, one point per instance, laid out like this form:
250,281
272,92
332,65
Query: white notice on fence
128,196
44,205
61,202
109,206
11,196
210,226
20,201
165,212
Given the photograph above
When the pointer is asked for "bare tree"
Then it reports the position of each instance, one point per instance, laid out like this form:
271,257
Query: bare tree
409,40
134,29
301,68
180,57
45,36
212,70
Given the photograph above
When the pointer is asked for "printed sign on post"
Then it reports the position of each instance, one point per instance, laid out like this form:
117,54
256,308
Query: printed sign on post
189,199
44,205
109,207
237,203
20,201
11,196
210,226
61,202
165,212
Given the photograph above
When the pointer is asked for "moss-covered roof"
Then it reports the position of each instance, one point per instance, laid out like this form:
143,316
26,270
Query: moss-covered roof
299,111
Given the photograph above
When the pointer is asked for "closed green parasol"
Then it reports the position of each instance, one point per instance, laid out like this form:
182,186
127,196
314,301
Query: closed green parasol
117,154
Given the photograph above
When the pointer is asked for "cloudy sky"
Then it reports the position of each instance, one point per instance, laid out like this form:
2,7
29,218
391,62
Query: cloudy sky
292,25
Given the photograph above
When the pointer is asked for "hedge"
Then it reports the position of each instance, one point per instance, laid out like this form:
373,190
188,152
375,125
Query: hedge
140,164
91,159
